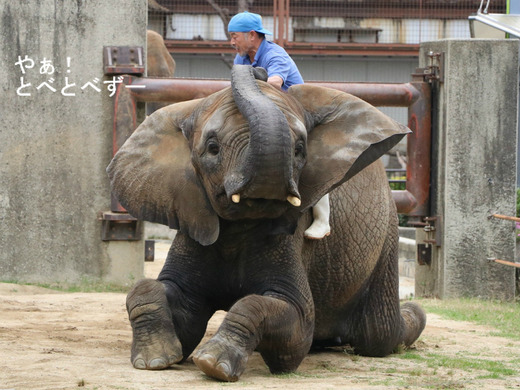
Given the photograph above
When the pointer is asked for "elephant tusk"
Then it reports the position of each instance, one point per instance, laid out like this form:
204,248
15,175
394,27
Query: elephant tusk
235,198
296,202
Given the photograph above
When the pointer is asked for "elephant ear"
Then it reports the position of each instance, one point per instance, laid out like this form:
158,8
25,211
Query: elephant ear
153,178
346,135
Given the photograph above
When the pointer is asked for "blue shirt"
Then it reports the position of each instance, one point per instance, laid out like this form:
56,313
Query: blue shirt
276,61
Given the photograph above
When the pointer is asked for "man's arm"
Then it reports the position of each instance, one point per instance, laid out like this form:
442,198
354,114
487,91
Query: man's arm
275,81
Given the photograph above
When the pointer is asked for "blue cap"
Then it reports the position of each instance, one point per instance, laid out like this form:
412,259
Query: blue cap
247,21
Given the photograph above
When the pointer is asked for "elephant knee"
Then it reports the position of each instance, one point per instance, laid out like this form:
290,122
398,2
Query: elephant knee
144,292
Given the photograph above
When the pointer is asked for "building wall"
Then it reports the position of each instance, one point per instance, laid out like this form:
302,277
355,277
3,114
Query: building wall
404,31
54,148
474,172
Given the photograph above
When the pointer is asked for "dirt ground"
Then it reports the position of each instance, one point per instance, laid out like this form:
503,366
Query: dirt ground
54,340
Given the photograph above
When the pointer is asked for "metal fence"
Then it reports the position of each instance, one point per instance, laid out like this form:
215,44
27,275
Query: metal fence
369,22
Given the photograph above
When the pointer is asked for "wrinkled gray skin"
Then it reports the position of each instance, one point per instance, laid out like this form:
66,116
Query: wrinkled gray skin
282,293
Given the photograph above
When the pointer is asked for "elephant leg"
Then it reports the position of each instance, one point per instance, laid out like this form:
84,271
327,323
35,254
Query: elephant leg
379,323
154,343
271,324
163,333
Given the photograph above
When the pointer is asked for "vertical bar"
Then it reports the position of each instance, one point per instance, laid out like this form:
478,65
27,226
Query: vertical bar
275,21
286,17
419,152
125,122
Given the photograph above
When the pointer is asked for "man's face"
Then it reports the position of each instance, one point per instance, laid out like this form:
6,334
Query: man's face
241,42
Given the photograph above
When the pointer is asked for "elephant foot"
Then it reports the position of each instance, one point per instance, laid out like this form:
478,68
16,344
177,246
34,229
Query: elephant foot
414,321
155,345
221,360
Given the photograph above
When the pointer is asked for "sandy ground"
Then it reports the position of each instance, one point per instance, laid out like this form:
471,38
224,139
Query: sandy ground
53,340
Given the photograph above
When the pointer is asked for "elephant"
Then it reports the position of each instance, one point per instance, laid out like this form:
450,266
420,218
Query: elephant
159,63
237,173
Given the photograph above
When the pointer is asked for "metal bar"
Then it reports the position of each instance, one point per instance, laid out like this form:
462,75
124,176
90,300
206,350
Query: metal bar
505,262
276,23
300,48
404,200
177,90
506,217
286,22
419,151
377,94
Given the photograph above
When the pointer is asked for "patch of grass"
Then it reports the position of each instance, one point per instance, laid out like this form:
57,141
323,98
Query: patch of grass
495,369
85,285
293,375
328,366
504,316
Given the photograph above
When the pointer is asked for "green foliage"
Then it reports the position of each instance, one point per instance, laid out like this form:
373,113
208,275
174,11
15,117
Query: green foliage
518,202
398,186
403,220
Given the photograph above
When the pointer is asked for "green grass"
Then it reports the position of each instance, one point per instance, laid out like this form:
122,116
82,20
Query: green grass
85,285
297,374
503,316
495,369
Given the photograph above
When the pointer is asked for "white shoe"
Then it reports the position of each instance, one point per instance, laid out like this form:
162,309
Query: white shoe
317,231
320,227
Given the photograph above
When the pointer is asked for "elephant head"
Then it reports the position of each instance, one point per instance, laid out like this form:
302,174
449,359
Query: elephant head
246,152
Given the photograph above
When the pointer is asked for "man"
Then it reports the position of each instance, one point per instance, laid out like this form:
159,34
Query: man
248,38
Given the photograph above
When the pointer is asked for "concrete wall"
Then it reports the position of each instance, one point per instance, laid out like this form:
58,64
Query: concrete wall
474,170
54,148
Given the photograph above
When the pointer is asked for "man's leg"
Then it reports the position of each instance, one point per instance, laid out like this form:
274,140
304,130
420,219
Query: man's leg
320,227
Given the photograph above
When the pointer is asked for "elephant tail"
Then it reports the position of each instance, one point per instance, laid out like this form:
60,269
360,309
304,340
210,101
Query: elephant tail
414,319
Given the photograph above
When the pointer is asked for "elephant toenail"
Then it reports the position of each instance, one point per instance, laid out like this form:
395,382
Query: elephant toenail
139,364
157,363
174,359
208,358
224,368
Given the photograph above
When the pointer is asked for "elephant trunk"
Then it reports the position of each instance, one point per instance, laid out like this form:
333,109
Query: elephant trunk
269,165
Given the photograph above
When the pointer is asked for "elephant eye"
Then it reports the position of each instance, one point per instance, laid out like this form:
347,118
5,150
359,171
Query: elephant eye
213,148
299,149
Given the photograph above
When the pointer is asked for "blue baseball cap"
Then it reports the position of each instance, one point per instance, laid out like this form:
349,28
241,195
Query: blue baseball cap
247,21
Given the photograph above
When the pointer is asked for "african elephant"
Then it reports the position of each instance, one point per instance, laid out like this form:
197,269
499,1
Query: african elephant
159,63
236,173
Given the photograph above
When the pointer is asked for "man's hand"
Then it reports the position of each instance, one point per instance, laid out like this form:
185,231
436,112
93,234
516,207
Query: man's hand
276,81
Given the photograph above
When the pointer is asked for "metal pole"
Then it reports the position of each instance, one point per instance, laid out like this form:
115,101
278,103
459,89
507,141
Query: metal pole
178,90
419,152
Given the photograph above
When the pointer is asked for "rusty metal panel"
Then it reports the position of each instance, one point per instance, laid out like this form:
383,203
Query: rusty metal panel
123,60
120,227
419,151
